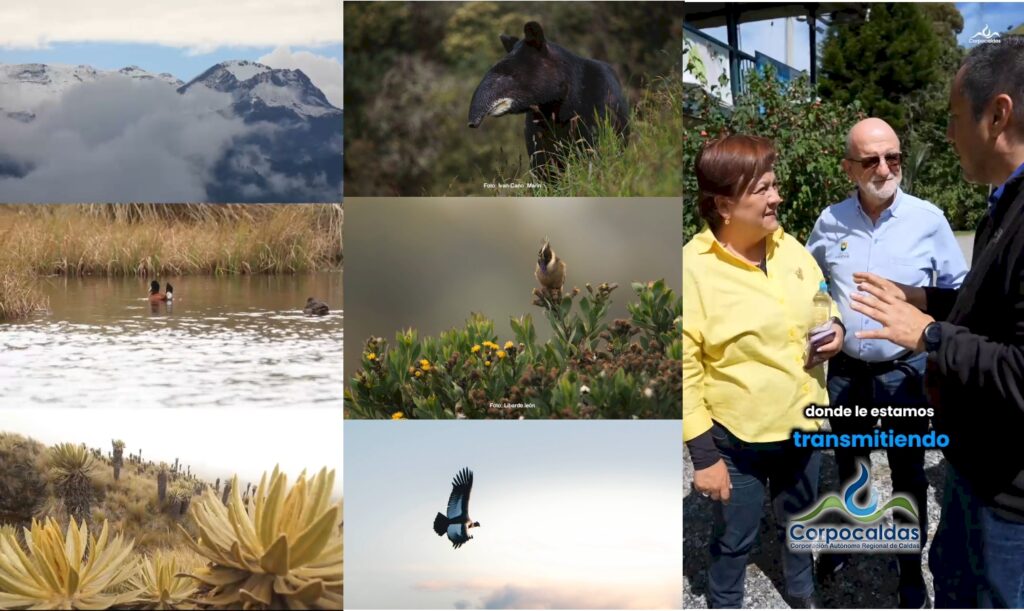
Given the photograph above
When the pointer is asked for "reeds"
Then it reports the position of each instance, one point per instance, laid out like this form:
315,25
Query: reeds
19,294
169,239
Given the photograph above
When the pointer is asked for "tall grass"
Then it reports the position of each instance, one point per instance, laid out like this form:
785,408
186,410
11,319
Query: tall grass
646,164
140,240
19,294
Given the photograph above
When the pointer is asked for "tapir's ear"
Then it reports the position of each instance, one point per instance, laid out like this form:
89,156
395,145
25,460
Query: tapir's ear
508,42
534,35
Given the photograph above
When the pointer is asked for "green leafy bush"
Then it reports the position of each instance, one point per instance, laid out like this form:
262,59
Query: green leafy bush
628,368
810,136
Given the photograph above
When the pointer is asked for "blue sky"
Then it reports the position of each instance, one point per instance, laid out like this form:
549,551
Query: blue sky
574,514
182,63
769,38
998,16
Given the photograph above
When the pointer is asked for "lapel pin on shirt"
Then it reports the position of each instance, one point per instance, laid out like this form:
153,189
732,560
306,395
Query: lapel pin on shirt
843,245
800,273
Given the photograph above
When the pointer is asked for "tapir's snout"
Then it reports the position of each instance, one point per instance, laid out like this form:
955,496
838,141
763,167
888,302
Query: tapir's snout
488,99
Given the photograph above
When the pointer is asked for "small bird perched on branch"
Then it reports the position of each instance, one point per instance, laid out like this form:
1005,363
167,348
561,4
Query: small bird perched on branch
550,272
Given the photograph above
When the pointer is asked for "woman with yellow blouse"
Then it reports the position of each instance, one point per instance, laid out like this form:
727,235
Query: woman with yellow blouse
748,291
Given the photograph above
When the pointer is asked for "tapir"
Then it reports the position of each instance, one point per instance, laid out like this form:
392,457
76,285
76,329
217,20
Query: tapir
561,94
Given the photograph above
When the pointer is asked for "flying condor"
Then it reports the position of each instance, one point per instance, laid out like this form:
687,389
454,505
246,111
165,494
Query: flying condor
457,523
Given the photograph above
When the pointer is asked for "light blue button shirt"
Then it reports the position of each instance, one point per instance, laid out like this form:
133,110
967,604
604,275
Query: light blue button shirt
911,243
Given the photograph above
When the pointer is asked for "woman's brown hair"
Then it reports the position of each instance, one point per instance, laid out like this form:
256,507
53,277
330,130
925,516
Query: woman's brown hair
728,166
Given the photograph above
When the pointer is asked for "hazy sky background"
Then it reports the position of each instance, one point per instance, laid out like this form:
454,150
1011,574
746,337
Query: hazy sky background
428,263
769,37
582,514
184,37
215,442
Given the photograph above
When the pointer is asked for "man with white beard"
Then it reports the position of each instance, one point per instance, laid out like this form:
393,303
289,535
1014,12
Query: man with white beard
881,229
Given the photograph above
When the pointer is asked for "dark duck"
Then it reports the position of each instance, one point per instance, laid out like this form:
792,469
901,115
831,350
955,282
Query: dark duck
456,523
315,308
155,296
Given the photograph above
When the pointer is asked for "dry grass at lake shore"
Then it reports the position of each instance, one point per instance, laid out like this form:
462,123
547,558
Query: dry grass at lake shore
159,240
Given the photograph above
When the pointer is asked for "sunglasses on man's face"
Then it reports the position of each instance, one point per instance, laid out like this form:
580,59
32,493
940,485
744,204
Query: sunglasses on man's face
892,160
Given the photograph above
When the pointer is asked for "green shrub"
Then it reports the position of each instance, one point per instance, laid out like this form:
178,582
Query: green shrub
810,136
628,368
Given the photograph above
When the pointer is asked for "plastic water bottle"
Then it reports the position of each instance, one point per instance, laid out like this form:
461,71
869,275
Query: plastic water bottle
822,305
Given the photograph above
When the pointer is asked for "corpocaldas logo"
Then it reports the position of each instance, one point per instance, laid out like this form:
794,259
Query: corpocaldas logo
869,533
985,36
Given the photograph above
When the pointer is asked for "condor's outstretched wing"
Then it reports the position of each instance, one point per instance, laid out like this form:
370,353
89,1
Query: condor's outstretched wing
458,502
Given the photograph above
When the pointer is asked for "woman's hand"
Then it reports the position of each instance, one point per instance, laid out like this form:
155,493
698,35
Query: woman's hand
829,350
713,482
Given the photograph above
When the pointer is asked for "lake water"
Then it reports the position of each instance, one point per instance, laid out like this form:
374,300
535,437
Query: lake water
231,341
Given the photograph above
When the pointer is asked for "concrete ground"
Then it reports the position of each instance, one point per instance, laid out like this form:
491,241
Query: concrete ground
868,582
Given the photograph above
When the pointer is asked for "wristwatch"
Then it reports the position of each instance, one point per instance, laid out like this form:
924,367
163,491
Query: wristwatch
932,336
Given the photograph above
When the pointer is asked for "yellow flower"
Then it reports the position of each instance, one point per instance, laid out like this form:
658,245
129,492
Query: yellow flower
475,348
501,354
487,363
418,373
425,364
509,344
372,356
397,416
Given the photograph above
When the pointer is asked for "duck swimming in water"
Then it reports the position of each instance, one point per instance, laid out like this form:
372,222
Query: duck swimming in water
155,296
315,308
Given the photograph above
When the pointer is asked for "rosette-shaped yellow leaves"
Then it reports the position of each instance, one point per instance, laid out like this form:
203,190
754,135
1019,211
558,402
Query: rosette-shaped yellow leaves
283,551
68,461
64,571
161,584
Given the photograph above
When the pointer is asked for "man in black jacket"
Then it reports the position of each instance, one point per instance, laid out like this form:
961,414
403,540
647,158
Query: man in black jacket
975,375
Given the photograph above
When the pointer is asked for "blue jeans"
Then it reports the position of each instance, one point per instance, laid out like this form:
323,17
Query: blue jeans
977,557
849,384
790,476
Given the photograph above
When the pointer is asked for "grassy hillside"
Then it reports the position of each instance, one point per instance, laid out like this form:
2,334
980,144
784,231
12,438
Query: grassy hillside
169,539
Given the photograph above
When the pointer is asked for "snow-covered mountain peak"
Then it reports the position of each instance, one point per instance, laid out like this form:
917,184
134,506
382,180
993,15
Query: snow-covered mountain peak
243,70
264,90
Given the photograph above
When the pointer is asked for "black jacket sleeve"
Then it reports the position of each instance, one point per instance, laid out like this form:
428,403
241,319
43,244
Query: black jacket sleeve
940,302
994,368
703,451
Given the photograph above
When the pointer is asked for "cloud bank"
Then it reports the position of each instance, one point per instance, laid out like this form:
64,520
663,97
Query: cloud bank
123,140
118,140
495,595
